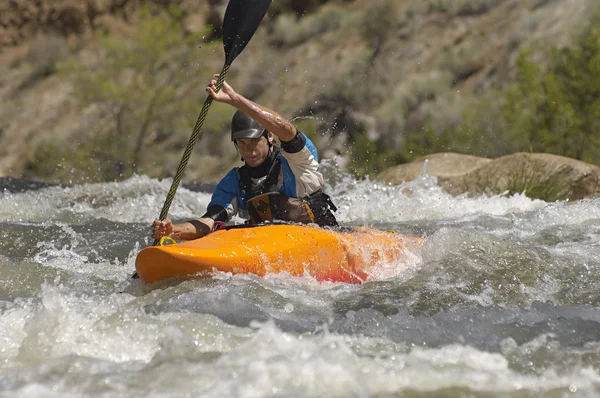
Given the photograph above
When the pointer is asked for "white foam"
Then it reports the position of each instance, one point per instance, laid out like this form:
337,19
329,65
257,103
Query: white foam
138,199
368,201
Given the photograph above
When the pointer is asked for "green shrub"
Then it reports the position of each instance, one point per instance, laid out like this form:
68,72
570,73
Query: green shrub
462,61
140,80
220,116
380,23
92,160
552,107
408,97
353,68
469,124
557,109
309,126
290,30
369,158
462,7
548,188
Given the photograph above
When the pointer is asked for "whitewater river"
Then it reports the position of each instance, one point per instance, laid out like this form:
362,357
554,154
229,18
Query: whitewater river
501,301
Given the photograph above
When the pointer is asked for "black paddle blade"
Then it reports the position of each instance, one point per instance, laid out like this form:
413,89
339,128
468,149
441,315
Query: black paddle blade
242,18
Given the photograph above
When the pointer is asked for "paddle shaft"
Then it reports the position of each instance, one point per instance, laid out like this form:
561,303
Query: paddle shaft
189,148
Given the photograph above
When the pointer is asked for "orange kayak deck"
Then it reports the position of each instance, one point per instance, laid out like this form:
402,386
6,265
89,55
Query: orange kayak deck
325,254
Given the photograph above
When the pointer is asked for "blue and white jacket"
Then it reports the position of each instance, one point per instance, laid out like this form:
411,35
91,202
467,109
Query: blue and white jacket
299,177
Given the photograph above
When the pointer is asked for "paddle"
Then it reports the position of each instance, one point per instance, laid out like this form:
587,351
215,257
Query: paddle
241,20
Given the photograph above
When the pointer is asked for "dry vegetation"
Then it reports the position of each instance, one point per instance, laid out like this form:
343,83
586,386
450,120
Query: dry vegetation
380,82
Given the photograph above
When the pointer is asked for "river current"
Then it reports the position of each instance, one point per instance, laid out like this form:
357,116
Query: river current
501,301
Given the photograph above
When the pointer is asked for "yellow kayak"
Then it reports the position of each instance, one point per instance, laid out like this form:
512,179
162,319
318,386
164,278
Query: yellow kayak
325,254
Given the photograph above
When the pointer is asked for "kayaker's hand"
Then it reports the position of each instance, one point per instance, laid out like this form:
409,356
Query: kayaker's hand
226,94
162,228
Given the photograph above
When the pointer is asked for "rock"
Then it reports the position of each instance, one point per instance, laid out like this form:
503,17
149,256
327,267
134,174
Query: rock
539,175
439,165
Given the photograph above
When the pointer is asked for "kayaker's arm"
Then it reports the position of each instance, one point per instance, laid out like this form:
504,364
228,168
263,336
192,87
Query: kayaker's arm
189,230
269,119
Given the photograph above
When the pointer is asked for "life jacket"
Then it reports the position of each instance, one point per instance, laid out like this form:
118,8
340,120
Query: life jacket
264,202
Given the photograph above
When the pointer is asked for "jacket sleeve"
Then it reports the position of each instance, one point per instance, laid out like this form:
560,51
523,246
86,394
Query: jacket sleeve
304,165
226,194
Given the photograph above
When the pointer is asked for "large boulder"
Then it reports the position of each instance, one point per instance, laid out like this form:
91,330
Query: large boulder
445,164
538,175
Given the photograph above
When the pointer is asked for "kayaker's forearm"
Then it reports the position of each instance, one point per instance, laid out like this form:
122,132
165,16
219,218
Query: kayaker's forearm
192,229
269,119
184,232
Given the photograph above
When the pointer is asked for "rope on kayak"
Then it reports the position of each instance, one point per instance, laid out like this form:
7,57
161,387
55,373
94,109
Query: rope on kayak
162,240
190,147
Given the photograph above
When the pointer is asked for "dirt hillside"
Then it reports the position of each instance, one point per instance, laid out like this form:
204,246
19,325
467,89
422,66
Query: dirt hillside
355,67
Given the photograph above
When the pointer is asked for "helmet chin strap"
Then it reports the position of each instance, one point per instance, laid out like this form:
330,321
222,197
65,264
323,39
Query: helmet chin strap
238,150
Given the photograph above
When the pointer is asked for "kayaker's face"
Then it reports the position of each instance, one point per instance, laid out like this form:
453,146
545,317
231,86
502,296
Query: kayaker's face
254,150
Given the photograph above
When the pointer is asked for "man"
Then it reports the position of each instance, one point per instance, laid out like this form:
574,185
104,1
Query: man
274,183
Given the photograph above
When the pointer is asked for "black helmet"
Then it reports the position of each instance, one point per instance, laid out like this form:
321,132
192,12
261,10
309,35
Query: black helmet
243,126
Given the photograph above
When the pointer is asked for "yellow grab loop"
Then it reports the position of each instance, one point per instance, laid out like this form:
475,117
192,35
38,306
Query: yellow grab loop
170,241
